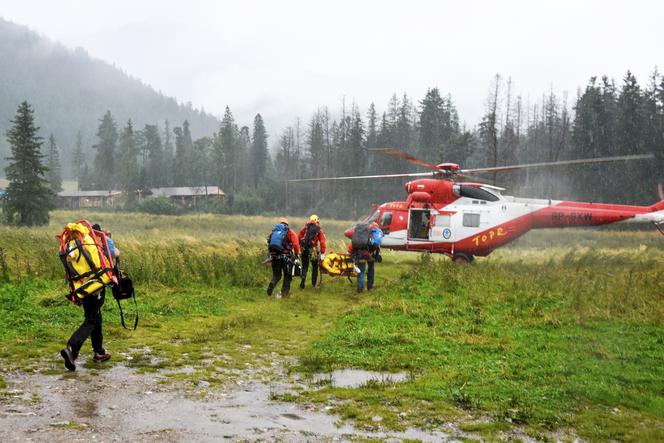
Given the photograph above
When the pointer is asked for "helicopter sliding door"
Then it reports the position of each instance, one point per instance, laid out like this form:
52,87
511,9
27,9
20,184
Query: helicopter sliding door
419,224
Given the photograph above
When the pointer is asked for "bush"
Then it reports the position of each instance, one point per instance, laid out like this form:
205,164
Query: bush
158,205
245,203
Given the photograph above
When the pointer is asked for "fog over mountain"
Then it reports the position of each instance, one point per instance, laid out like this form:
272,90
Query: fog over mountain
70,90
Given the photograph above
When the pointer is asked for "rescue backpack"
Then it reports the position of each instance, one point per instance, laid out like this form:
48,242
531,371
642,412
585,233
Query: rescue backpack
376,238
310,235
360,240
279,239
86,257
124,290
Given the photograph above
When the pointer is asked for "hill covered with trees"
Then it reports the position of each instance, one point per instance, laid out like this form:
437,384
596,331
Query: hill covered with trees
113,132
70,91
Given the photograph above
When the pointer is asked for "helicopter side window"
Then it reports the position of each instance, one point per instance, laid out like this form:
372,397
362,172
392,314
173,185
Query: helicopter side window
386,219
471,220
476,193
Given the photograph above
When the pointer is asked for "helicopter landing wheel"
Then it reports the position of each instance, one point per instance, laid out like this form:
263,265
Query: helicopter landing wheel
460,257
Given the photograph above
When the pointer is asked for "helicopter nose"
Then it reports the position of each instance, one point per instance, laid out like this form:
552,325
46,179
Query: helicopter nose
349,232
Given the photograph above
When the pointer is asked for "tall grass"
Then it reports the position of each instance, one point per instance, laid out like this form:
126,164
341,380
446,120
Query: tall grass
167,250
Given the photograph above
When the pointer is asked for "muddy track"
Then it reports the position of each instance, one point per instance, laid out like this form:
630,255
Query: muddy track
121,404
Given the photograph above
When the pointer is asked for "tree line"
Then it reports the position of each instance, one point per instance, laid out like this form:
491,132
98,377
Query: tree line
605,119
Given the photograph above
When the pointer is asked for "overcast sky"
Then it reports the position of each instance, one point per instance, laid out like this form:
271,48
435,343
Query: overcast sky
285,58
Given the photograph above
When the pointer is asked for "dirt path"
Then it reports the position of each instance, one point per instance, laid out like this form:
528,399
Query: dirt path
120,404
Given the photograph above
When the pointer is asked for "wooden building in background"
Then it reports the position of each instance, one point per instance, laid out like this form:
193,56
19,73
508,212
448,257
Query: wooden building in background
190,197
88,199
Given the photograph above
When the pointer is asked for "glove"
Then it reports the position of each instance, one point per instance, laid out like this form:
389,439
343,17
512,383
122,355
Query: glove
322,256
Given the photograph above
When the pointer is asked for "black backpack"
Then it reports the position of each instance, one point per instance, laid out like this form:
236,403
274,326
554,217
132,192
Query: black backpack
122,291
360,240
312,230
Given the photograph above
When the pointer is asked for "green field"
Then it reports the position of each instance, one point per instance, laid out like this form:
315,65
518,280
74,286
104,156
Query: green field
559,335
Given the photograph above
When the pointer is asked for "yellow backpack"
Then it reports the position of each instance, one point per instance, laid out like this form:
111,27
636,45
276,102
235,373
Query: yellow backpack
85,255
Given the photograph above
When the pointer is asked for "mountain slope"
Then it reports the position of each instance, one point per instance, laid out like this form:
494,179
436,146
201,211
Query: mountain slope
70,91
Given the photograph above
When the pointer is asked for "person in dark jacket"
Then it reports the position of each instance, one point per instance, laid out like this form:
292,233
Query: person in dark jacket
313,245
366,258
283,257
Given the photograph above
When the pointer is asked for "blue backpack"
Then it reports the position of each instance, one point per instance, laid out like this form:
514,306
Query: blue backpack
376,238
278,238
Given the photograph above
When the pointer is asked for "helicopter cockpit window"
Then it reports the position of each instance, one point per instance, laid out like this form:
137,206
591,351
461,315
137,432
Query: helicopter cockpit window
386,219
475,193
372,218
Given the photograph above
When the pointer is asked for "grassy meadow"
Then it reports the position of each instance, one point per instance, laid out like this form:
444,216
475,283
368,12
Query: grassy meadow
559,335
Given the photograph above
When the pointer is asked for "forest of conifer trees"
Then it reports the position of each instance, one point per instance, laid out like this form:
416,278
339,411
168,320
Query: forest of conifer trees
605,119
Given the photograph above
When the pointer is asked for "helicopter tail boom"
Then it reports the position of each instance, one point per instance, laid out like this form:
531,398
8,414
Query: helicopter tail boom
657,206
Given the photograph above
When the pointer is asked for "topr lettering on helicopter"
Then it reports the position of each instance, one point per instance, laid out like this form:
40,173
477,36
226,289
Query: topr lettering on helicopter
487,237
571,217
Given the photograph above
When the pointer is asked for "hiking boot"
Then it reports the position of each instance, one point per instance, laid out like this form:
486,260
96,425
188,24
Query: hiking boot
101,357
69,357
360,290
270,288
302,284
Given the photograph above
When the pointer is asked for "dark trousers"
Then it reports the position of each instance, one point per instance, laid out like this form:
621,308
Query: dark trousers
363,265
91,326
280,265
306,256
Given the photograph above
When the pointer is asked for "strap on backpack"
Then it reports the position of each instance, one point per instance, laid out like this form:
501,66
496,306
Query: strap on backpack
122,317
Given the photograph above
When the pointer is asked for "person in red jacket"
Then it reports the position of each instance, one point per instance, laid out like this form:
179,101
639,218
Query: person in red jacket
312,240
283,253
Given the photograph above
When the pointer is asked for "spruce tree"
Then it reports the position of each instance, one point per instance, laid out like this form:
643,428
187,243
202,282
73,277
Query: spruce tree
372,137
188,146
28,198
228,136
53,164
78,159
180,160
431,126
245,169
166,178
128,173
154,167
200,162
259,153
104,164
85,182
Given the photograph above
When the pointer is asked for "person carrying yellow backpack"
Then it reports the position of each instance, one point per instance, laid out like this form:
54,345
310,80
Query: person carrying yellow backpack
89,266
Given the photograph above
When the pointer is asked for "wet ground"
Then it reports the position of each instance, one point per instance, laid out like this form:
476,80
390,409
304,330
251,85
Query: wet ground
354,378
121,404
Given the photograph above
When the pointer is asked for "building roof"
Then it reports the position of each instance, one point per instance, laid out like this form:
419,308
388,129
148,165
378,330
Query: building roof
187,191
89,193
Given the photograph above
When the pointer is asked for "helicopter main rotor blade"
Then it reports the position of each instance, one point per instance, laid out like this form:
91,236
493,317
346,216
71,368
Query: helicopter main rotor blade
360,177
559,163
472,178
405,156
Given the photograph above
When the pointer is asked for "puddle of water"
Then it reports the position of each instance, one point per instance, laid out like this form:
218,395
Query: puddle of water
355,378
121,404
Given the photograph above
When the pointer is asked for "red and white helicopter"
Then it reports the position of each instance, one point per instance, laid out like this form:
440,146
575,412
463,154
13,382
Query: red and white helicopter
467,219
